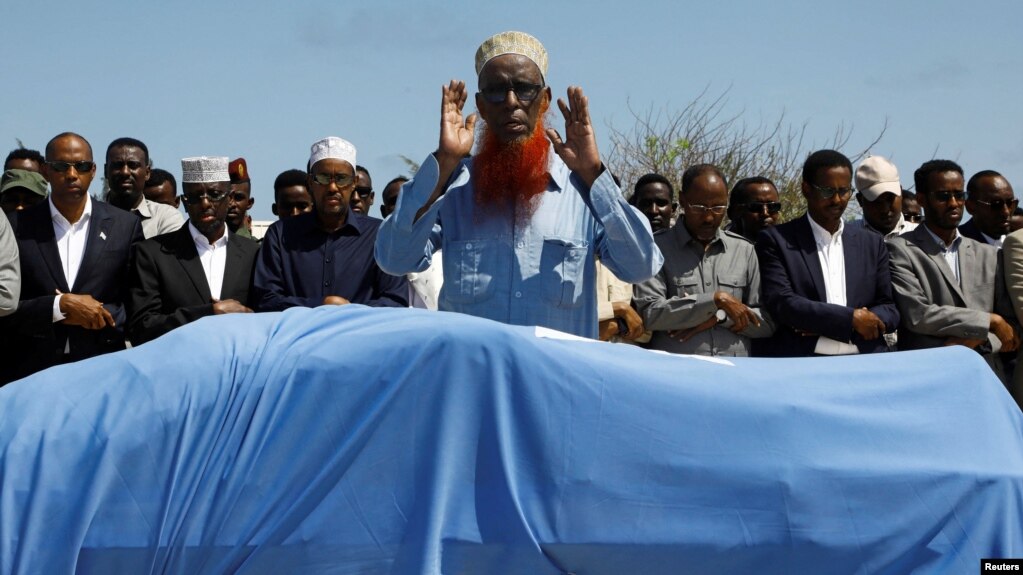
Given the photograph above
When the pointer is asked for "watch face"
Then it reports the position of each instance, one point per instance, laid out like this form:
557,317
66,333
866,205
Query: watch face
721,315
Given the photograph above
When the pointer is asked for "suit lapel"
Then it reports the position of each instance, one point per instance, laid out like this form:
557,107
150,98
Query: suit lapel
852,252
232,270
930,247
188,257
808,249
99,233
41,224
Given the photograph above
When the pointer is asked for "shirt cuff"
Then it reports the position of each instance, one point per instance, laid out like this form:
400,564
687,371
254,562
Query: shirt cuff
57,315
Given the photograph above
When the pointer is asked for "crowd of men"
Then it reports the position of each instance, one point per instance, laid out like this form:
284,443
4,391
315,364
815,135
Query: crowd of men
511,220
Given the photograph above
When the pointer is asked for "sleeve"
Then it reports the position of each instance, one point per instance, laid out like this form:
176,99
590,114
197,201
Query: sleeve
884,306
661,312
786,305
626,244
146,320
918,313
766,327
1012,267
405,244
10,269
117,309
390,291
268,284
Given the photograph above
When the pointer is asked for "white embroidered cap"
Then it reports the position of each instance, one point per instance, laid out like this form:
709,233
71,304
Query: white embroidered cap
332,147
204,169
512,43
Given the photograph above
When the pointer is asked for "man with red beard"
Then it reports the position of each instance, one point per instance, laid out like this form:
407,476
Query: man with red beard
520,227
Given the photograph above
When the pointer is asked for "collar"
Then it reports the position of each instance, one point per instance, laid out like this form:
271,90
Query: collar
823,236
201,240
143,209
358,222
685,238
958,239
57,216
991,240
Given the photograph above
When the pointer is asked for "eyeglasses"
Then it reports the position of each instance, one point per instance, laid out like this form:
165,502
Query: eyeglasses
999,205
759,207
119,165
83,166
915,218
960,196
341,180
701,209
364,191
828,193
524,92
213,196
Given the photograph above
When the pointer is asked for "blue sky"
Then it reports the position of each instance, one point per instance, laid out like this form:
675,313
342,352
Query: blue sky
264,79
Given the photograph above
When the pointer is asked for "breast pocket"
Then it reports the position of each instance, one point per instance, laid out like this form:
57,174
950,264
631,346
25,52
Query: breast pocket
469,268
562,267
686,284
734,285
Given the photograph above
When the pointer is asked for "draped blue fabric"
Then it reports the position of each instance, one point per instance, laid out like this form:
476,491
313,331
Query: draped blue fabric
358,440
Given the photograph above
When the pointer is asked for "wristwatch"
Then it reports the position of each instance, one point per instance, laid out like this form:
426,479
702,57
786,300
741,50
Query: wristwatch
721,315
623,328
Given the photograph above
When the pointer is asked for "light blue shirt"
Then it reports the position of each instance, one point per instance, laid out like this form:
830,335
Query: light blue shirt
950,252
541,272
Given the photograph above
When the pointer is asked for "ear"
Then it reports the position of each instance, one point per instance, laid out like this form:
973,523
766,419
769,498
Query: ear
273,208
971,205
251,201
545,102
805,188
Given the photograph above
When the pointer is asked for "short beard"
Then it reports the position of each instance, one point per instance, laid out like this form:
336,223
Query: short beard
513,175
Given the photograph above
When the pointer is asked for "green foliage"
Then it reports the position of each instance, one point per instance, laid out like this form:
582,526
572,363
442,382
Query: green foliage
667,141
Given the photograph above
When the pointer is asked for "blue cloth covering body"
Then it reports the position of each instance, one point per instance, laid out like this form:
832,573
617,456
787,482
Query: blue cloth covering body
359,440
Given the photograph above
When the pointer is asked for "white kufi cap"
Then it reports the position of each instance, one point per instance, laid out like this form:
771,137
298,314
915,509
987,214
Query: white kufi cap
512,43
204,170
332,147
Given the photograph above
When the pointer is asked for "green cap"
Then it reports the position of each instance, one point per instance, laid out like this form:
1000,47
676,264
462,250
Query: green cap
27,179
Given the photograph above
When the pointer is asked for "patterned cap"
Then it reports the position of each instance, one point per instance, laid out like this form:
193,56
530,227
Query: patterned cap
332,147
204,170
512,43
239,171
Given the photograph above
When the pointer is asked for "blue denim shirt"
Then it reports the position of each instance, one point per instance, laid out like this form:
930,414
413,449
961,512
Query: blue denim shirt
541,272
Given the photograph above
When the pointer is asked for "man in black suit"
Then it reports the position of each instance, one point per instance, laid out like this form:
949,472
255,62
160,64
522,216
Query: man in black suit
991,202
74,255
827,285
202,269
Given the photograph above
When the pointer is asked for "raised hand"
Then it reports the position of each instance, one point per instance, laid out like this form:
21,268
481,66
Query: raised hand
579,148
456,132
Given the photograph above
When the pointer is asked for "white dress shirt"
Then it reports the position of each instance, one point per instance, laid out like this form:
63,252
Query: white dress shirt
71,239
832,258
213,258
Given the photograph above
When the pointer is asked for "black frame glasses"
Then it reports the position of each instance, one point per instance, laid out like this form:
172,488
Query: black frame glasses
914,218
525,92
81,166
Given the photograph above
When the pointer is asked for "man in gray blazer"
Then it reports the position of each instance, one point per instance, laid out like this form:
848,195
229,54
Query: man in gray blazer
949,288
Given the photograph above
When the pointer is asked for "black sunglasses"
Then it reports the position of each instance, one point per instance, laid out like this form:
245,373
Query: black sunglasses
197,197
364,191
828,193
960,196
83,166
999,205
524,92
758,207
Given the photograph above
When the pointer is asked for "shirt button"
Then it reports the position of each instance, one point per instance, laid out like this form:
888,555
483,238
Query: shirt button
327,260
706,284
326,283
518,294
468,246
520,244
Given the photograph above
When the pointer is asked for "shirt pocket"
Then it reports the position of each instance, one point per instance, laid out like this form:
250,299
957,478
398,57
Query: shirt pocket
687,284
562,265
734,285
469,268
